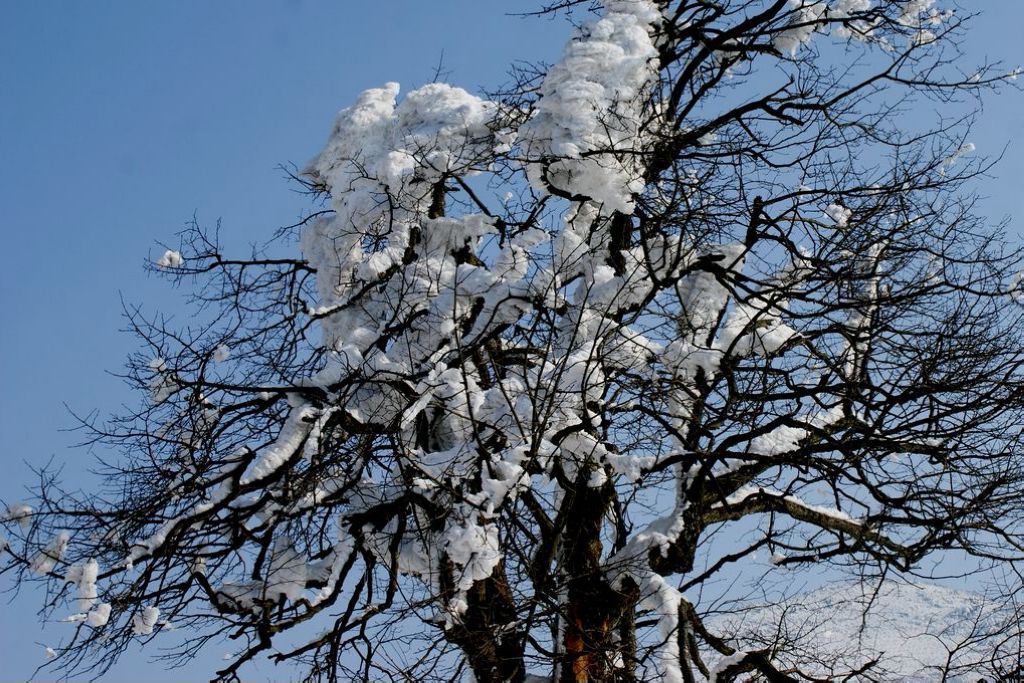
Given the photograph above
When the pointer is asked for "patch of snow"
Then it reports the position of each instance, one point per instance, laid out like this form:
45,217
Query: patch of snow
584,131
99,615
221,353
802,27
911,628
20,513
45,561
171,259
144,621
838,213
84,577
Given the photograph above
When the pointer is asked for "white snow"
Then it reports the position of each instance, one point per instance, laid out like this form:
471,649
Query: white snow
782,439
295,430
20,513
584,130
474,547
724,663
1017,287
912,11
802,27
962,150
397,300
664,600
744,493
845,9
380,165
838,213
170,259
145,620
84,577
912,628
753,327
45,561
287,574
221,353
99,615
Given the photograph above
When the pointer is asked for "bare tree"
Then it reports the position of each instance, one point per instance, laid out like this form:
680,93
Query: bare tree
543,354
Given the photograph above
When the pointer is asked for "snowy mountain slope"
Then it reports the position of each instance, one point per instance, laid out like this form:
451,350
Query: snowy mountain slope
915,632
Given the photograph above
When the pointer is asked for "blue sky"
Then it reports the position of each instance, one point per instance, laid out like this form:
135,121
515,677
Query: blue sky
120,119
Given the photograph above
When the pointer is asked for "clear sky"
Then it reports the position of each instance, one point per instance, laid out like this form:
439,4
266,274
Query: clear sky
120,119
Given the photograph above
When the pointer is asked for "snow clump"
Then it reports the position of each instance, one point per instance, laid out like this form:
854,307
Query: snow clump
20,513
144,621
170,259
582,137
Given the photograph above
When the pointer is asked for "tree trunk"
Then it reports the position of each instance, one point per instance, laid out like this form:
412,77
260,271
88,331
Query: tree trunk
593,650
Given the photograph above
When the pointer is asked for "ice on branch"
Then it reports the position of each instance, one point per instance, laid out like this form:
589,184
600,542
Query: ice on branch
583,138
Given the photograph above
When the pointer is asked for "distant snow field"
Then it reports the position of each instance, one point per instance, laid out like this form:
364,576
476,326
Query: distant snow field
916,631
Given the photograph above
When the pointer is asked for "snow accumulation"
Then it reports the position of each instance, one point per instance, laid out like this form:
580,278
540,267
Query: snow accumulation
1016,287
963,150
45,561
287,574
838,213
99,616
380,165
746,492
807,16
20,513
84,577
171,259
662,598
144,621
221,353
912,628
844,9
802,28
589,101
